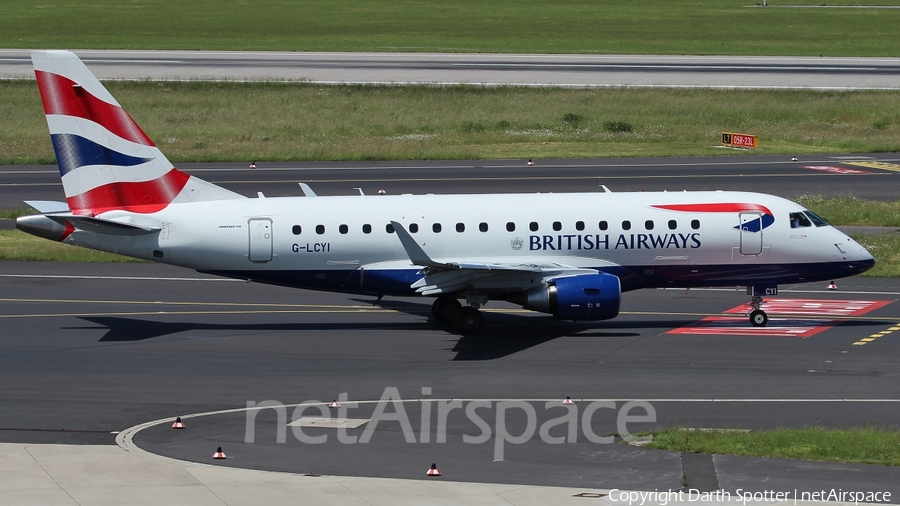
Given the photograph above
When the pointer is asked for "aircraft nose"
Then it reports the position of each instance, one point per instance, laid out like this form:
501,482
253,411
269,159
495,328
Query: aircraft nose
858,256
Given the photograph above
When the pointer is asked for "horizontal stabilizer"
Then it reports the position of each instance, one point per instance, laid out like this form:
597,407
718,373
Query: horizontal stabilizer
100,226
48,206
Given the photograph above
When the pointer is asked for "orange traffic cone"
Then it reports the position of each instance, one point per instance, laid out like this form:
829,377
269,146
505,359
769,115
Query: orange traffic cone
219,455
832,286
568,400
433,471
334,404
178,424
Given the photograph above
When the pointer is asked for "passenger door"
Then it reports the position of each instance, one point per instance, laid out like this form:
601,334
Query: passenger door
751,233
260,240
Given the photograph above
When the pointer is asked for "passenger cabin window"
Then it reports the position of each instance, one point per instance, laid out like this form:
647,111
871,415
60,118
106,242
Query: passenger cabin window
510,227
413,228
557,226
343,229
436,228
483,227
367,229
799,220
460,227
533,226
626,225
603,225
648,224
695,224
320,229
389,228
296,229
673,224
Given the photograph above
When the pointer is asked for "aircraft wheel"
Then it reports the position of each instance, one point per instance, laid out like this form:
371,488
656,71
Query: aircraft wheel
468,321
444,309
759,318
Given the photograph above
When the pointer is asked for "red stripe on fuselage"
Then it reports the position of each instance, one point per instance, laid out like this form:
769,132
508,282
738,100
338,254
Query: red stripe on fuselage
139,197
61,96
729,207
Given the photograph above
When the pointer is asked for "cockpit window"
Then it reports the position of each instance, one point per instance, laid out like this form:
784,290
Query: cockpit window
799,220
816,219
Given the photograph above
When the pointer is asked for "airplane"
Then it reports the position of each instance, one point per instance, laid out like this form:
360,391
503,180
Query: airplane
569,255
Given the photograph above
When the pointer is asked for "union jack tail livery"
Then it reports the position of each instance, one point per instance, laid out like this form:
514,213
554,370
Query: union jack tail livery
569,255
106,161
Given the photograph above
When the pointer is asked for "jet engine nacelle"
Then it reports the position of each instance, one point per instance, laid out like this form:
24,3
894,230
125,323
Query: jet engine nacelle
585,297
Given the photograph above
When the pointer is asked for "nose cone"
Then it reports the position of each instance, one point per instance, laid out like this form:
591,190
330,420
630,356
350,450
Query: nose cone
858,258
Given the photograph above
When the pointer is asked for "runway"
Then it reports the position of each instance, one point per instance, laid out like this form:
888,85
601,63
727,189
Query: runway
485,69
868,176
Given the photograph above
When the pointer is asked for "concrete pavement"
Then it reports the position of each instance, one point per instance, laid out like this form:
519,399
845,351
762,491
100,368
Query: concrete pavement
49,475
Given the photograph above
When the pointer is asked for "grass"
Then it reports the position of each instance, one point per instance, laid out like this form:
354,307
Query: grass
886,250
16,245
858,445
735,27
194,121
853,211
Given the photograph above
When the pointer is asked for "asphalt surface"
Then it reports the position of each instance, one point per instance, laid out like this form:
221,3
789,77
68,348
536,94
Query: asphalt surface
490,69
776,175
88,350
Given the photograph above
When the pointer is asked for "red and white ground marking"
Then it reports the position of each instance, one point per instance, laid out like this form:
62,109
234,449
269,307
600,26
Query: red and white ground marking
782,327
813,307
740,326
833,169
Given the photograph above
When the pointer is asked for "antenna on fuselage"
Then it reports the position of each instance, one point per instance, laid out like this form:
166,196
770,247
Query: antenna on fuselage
605,189
360,192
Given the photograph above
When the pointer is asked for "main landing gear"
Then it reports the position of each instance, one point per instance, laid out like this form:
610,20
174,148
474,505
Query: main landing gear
466,320
758,317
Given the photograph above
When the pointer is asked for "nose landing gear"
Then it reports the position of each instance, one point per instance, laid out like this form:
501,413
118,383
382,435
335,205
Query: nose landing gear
758,317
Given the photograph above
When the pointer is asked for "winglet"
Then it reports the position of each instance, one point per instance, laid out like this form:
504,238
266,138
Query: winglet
415,252
307,191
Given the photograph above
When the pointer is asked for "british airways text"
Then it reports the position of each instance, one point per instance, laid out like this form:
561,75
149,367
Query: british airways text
575,242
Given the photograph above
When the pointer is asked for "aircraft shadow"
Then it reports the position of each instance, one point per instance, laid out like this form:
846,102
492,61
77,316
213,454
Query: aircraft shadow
505,335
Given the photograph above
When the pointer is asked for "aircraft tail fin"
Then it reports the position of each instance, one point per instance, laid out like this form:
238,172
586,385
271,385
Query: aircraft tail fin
105,160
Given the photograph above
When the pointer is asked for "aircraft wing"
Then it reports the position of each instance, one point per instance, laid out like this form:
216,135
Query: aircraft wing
454,277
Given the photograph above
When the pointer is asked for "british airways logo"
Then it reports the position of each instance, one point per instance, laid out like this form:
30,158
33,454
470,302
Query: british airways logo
749,223
589,242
